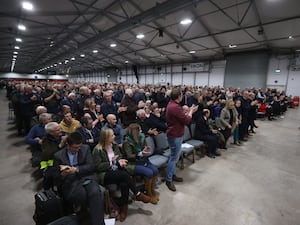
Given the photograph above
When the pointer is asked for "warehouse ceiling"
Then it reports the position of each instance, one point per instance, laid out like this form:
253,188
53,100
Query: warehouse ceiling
71,36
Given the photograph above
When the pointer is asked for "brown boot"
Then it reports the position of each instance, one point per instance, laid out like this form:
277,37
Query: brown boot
143,198
148,183
123,212
154,193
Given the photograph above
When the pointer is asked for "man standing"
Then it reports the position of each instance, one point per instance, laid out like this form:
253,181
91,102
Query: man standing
176,120
78,181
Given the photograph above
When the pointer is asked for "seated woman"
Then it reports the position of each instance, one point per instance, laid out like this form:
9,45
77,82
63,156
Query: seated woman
90,108
135,150
109,163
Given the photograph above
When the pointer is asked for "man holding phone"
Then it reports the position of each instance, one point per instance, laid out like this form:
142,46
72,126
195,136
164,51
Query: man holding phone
77,178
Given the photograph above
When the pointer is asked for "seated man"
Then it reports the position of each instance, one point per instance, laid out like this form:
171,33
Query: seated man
77,178
112,124
156,120
35,136
69,124
89,133
39,110
142,121
204,133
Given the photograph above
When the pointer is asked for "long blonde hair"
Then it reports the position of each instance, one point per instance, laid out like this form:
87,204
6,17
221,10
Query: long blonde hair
104,136
133,130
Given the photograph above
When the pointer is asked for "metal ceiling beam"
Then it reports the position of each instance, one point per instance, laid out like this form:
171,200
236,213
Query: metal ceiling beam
260,23
51,13
226,14
207,29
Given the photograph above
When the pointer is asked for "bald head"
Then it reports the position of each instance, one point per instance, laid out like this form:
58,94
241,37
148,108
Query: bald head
111,119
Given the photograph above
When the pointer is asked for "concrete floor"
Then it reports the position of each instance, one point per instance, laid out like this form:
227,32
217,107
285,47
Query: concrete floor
256,184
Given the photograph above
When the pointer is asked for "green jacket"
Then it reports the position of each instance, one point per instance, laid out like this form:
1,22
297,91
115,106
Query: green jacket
130,152
101,161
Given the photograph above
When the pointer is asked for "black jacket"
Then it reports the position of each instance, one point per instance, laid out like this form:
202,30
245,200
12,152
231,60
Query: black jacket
202,128
85,165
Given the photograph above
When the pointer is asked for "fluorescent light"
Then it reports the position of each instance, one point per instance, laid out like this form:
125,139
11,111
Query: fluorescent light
59,63
51,66
18,39
27,6
14,56
16,53
51,45
17,47
291,37
72,58
82,55
186,21
21,27
95,51
55,64
192,52
277,71
113,45
232,46
140,36
126,62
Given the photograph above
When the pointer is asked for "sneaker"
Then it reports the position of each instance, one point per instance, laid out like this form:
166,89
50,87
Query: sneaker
177,179
171,185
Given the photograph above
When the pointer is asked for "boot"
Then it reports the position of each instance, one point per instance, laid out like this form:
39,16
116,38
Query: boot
123,212
142,197
148,183
154,193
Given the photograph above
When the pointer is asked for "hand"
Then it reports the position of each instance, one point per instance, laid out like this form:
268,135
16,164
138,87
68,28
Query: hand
123,162
100,117
67,170
146,151
194,108
229,126
38,139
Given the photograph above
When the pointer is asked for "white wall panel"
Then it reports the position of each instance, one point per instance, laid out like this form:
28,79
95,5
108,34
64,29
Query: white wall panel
201,79
177,79
293,83
275,78
188,78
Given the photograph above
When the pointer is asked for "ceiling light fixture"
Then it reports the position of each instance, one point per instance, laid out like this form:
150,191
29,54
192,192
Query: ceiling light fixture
113,45
192,52
18,40
72,58
14,56
232,46
82,55
140,36
126,62
27,6
17,47
21,27
186,21
291,37
59,63
95,51
55,64
16,53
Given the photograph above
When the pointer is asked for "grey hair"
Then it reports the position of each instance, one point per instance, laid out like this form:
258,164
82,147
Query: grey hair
139,112
50,127
44,116
39,108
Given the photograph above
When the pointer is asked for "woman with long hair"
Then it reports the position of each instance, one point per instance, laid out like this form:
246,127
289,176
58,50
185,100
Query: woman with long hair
136,152
110,170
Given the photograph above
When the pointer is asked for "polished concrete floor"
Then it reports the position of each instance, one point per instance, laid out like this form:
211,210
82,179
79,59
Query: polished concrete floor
255,184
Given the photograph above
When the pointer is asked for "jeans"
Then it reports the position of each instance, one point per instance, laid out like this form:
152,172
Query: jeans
148,170
175,146
236,134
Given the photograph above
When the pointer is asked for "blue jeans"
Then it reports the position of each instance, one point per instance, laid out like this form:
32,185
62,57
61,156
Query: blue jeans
236,134
148,170
175,146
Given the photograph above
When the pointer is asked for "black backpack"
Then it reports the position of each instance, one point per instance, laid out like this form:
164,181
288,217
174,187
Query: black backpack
48,207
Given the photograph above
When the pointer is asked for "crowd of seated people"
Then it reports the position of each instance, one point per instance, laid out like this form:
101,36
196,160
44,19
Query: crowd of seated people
99,112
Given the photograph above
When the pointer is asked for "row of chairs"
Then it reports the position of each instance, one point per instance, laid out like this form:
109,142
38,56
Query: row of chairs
159,143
